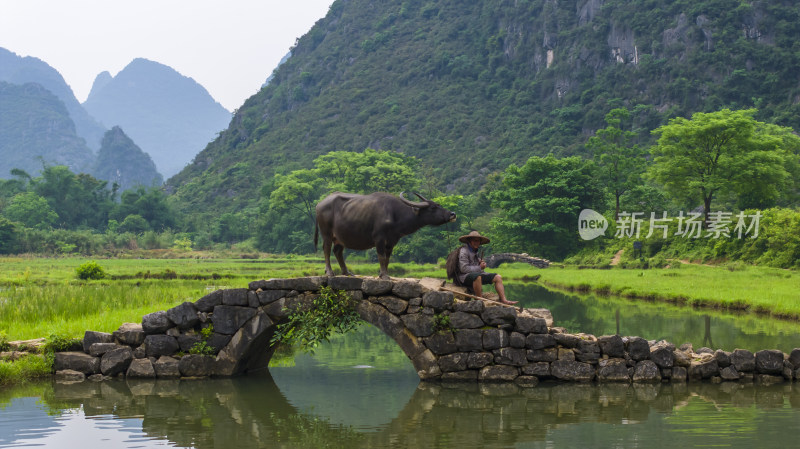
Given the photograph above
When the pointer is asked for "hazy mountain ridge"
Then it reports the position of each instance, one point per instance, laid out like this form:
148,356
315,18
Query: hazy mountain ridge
15,69
472,87
122,162
36,129
168,115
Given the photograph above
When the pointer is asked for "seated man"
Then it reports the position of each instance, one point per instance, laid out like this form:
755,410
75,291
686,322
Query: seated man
471,267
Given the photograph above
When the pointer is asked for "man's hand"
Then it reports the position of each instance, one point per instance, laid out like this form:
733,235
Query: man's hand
483,265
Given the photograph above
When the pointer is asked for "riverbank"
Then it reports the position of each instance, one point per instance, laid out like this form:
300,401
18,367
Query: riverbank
768,291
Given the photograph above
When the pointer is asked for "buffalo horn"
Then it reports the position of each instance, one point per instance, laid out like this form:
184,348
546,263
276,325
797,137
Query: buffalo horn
412,203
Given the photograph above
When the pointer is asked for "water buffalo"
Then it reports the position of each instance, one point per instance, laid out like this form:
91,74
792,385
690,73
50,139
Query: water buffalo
349,220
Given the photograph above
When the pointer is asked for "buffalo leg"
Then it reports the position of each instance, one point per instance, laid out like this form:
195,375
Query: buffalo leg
338,251
384,253
326,249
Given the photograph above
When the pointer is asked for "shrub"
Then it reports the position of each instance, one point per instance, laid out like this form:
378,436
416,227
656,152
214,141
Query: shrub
90,270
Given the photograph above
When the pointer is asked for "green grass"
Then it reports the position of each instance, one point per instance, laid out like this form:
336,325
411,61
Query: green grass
24,369
758,289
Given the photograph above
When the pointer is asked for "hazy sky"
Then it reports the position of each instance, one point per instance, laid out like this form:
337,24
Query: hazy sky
228,46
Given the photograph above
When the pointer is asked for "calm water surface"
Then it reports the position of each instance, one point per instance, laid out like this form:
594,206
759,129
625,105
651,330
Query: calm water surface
361,391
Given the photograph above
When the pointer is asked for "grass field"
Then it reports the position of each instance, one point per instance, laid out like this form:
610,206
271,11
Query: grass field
758,289
40,297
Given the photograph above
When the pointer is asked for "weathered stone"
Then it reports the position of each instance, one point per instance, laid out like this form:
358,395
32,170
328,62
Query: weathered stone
703,369
464,320
794,358
228,319
173,332
476,307
543,355
572,371
460,376
345,282
530,325
166,368
539,369
218,341
277,308
495,339
743,360
527,381
540,341
769,361
566,354
116,361
419,324
438,300
498,373
76,361
661,354
679,374
98,349
381,318
646,371
68,375
517,340
186,342
638,348
497,315
723,358
209,301
426,365
375,287
588,351
252,299
130,334
681,358
393,304
245,346
469,340
407,289
567,340
479,359
139,352
269,296
441,343
196,365
613,370
311,283
141,368
705,350
510,356
729,373
158,345
96,377
184,316
788,370
91,337
156,322
611,345
453,362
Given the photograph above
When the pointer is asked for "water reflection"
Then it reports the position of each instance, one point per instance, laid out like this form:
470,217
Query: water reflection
654,321
253,412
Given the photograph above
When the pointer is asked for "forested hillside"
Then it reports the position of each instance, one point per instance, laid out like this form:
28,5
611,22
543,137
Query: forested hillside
471,87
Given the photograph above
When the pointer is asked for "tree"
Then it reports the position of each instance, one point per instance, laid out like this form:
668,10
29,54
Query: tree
538,204
619,162
299,190
79,200
148,202
724,152
31,210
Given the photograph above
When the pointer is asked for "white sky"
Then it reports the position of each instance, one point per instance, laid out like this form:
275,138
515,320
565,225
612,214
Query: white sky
228,46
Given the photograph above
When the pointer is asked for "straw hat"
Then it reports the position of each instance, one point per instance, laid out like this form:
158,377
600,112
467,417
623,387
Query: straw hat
471,235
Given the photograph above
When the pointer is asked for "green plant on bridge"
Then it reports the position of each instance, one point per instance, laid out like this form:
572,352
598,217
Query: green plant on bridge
441,323
306,327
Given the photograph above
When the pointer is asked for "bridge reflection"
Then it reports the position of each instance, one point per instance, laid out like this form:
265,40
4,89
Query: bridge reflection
253,412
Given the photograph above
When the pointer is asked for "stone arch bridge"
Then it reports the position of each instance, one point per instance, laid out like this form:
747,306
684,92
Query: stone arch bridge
480,340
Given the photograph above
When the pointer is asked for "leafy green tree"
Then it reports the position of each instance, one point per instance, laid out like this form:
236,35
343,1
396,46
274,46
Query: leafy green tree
150,203
79,200
31,210
723,153
620,163
8,236
299,190
538,204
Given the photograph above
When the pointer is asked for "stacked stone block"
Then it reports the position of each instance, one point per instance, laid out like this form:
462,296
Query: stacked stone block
445,338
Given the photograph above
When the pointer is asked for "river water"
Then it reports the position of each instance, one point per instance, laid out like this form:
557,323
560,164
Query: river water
360,391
